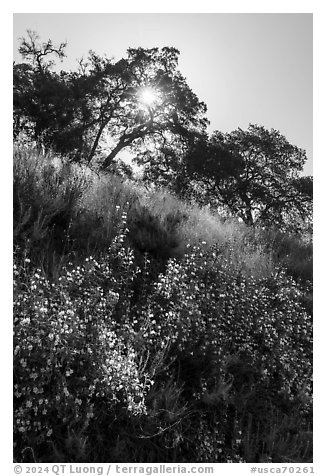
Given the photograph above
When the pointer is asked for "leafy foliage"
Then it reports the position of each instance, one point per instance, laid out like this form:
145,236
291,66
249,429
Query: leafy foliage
72,112
255,174
71,362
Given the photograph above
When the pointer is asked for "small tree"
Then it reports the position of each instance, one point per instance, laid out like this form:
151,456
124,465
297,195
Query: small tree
42,98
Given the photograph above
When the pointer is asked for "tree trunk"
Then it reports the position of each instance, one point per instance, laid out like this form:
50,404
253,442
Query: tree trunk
109,159
248,210
249,218
125,141
96,141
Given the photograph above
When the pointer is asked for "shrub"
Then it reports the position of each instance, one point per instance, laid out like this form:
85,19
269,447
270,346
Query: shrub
225,329
72,361
292,252
100,211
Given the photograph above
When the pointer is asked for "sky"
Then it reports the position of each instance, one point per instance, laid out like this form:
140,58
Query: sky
247,67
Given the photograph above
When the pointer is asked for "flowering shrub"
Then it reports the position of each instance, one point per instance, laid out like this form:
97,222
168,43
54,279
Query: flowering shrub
70,363
239,345
198,304
196,359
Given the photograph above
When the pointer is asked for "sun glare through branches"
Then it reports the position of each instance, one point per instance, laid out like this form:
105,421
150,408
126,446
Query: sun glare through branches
148,97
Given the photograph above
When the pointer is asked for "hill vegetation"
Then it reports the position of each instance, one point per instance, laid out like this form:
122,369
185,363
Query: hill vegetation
159,318
148,329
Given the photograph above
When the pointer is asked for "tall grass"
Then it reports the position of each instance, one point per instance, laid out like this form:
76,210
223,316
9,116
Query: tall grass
65,209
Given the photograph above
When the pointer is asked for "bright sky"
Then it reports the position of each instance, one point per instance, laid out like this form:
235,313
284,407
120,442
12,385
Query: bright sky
247,67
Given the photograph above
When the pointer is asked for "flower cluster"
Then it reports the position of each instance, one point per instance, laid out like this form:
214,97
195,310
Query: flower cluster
198,304
69,359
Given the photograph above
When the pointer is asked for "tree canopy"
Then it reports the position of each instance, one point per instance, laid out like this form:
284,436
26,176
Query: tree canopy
140,97
255,173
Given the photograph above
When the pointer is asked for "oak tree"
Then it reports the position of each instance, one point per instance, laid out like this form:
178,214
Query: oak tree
256,173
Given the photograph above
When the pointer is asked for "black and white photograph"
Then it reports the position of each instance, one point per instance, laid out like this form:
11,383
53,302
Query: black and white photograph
162,239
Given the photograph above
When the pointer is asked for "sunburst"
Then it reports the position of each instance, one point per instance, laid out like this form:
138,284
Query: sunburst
148,96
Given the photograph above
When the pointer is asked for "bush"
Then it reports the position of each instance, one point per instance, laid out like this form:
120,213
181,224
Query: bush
242,347
292,252
100,211
72,361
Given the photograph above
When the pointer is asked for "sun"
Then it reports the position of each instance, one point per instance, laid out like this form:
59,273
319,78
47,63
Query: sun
148,96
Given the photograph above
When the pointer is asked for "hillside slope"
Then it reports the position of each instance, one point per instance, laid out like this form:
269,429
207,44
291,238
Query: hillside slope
148,329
